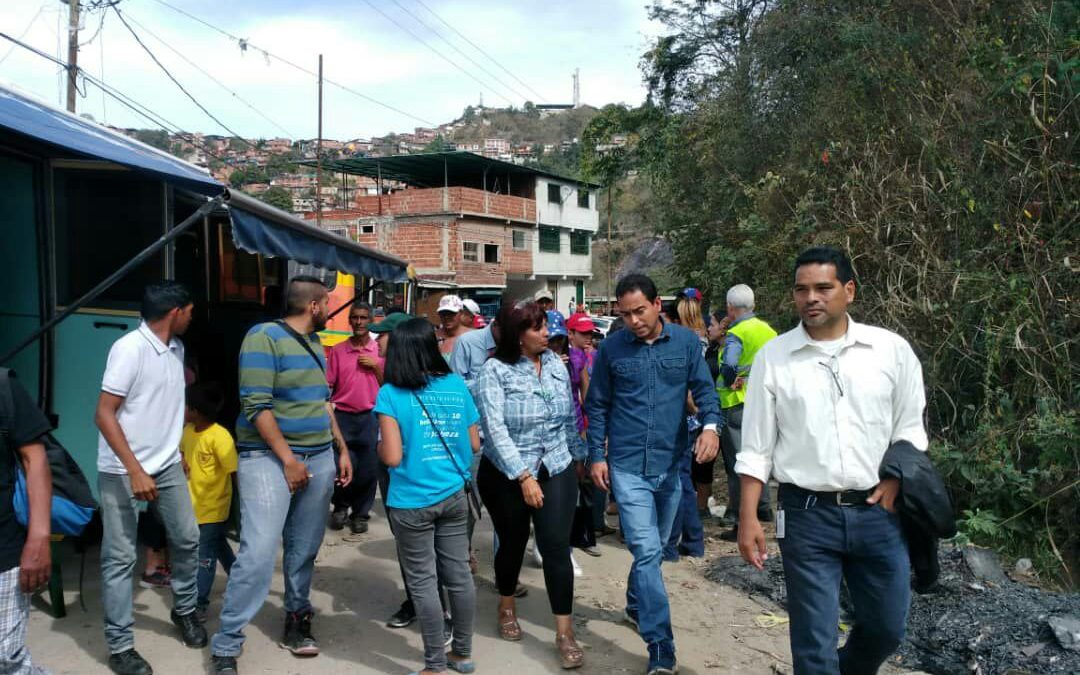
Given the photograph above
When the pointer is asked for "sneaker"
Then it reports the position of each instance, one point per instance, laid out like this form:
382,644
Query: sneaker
405,615
223,665
534,551
358,524
129,663
605,530
765,515
590,551
338,519
577,567
201,612
520,591
662,660
630,617
191,629
298,638
730,535
158,579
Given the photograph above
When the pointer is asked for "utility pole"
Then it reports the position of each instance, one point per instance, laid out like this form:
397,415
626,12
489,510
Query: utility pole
610,291
318,156
73,52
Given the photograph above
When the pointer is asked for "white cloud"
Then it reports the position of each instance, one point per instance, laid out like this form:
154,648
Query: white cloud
362,50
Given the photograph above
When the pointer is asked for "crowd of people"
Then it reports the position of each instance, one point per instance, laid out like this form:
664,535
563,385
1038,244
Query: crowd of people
527,417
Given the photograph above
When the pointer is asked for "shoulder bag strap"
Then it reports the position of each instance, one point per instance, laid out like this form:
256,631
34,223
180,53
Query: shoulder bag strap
303,343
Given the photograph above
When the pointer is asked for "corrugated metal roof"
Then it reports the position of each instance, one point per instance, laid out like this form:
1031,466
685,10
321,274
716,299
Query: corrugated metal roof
435,169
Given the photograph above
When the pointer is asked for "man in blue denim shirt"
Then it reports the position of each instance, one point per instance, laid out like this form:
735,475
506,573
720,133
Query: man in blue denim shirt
637,405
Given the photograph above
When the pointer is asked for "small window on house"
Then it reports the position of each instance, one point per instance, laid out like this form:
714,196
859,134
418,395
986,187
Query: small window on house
367,229
583,198
519,240
579,243
470,251
554,194
491,253
549,240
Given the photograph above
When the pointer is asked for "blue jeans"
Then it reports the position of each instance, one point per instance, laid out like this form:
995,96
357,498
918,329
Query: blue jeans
213,548
647,506
864,546
119,520
687,533
270,515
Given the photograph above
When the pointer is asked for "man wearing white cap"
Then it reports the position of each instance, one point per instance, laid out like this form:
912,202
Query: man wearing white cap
546,300
470,315
450,328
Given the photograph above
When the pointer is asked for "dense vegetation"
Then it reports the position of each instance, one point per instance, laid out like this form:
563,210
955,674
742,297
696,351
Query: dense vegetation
935,141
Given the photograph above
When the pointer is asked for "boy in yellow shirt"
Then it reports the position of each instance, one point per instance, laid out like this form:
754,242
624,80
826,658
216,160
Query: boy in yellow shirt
210,460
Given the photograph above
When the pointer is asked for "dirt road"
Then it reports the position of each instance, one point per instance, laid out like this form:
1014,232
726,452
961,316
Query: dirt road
357,586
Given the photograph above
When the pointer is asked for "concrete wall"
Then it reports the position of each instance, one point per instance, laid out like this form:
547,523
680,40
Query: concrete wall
567,213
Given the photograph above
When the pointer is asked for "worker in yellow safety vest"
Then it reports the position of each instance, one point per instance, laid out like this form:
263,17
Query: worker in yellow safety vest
745,336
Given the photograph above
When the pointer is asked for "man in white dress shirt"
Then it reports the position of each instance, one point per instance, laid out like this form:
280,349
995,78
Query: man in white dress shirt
824,402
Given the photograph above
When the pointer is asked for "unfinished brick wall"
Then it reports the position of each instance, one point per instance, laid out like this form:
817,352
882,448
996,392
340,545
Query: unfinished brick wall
423,201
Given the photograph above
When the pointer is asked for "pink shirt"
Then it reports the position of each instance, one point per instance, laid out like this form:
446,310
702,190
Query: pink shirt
354,387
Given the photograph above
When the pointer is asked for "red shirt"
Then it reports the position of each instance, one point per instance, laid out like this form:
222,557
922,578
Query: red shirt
353,386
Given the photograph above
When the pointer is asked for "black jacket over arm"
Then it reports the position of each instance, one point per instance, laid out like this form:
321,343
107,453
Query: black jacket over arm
926,510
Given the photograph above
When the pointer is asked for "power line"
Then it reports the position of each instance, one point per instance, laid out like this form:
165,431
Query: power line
442,56
26,30
194,100
477,47
459,51
212,78
245,45
155,118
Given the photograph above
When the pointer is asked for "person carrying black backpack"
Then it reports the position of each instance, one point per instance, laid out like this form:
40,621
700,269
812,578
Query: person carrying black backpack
25,560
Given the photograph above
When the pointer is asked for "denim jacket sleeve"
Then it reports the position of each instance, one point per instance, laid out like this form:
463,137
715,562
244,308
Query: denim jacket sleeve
597,405
491,399
704,390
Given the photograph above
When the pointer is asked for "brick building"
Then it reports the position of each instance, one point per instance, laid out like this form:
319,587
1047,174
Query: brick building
475,226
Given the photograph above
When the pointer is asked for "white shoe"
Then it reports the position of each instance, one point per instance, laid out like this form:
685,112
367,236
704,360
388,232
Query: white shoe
535,553
577,567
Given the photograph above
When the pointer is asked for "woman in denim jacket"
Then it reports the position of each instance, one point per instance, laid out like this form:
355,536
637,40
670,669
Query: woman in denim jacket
529,473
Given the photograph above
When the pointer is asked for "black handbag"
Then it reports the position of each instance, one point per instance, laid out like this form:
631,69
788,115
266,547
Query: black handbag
470,487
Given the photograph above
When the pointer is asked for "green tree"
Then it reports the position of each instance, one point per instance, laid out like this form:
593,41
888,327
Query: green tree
278,197
438,144
155,137
937,144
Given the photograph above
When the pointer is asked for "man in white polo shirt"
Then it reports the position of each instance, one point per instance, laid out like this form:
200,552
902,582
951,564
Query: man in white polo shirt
140,414
824,403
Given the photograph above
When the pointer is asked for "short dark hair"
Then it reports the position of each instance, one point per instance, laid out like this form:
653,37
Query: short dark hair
302,290
412,355
636,282
393,309
205,398
515,319
161,298
827,255
356,306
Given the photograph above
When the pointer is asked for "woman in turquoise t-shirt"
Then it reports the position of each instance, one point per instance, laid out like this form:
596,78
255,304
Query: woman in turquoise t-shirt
428,423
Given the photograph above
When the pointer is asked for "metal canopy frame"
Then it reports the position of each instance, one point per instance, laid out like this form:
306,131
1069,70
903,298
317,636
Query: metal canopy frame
435,169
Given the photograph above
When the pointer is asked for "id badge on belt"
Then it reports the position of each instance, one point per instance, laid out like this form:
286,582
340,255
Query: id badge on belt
780,523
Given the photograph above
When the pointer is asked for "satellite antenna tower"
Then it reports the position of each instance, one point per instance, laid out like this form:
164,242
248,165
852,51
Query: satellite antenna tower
577,87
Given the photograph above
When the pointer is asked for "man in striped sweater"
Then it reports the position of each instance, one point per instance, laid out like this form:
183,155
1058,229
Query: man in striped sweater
285,437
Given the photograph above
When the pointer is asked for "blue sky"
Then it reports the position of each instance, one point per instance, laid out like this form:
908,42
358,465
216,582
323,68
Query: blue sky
541,43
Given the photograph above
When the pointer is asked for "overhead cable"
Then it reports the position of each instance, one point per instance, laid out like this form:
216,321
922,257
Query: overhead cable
540,97
244,45
442,56
165,70
459,51
211,77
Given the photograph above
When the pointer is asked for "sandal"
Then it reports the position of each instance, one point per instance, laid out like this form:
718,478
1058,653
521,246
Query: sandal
509,628
570,654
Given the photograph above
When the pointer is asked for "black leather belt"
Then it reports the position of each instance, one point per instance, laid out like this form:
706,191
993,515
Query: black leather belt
811,498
